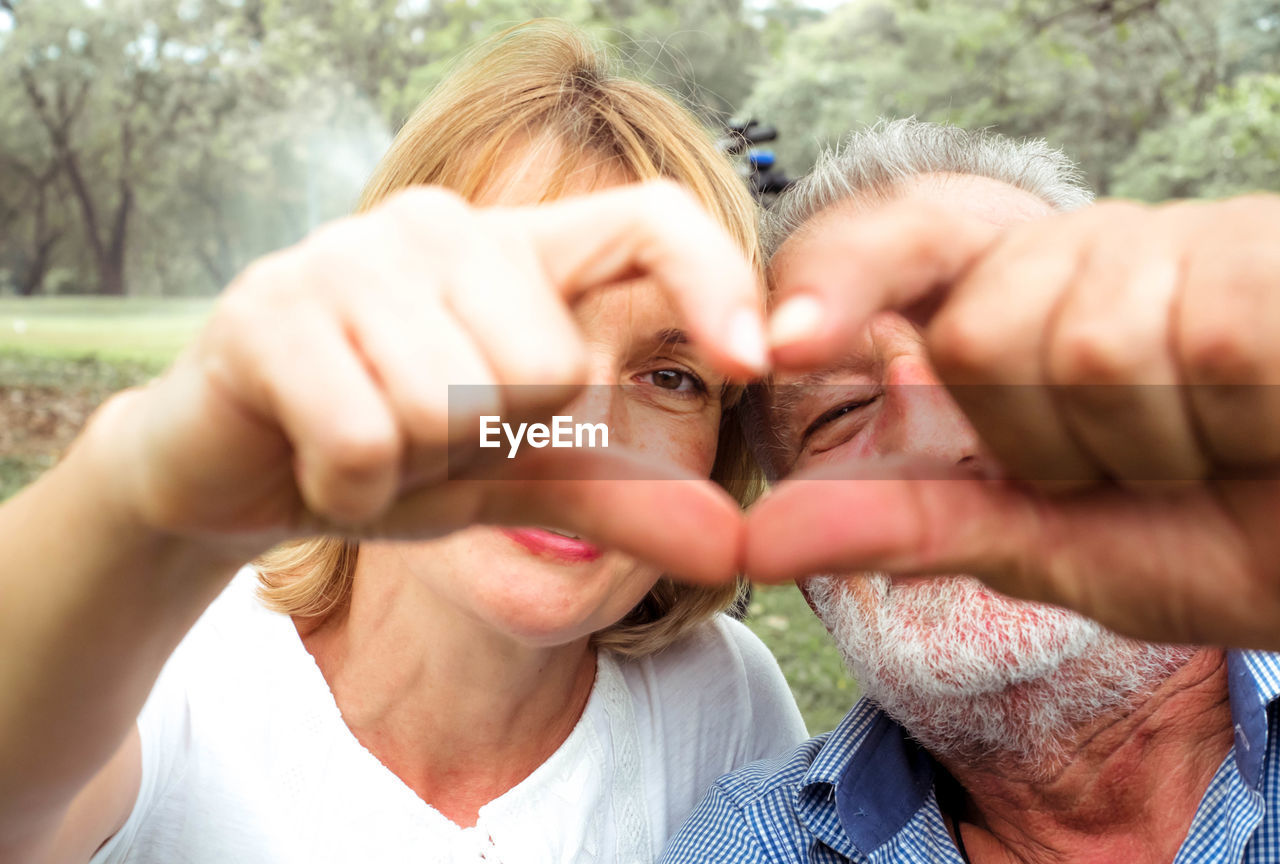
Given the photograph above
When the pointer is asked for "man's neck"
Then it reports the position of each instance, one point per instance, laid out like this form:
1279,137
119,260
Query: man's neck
1127,789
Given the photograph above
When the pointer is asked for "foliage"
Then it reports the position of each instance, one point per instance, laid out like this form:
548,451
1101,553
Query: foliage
1091,77
157,147
1232,146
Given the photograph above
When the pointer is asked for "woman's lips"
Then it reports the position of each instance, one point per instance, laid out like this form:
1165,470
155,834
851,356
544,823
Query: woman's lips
556,547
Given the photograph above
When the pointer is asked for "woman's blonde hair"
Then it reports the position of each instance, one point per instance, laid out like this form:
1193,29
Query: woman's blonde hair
545,79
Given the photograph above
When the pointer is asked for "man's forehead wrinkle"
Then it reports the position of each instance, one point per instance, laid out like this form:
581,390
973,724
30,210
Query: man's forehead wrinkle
993,201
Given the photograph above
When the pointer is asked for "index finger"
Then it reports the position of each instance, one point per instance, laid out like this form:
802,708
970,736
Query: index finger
658,230
831,277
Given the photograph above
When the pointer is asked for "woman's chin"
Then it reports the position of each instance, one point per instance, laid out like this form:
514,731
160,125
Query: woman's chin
559,591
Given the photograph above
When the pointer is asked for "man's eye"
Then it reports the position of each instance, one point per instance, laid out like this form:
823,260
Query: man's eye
826,432
676,381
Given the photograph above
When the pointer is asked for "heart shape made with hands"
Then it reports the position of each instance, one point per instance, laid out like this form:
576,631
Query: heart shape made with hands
1195,562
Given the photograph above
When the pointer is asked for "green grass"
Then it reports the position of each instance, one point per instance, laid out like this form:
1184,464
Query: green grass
82,372
17,471
148,330
809,659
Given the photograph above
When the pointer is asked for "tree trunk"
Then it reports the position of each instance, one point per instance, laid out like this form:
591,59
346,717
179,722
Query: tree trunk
34,253
31,282
112,261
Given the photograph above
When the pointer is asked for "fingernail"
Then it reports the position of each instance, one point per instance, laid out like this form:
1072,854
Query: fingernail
746,339
797,319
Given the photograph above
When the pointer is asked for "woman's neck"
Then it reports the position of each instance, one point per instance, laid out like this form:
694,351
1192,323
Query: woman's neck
458,711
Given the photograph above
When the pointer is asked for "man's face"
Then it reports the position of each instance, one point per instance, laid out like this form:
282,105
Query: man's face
945,656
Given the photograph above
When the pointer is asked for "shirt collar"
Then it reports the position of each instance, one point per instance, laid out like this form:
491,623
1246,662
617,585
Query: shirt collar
1253,683
877,778
872,774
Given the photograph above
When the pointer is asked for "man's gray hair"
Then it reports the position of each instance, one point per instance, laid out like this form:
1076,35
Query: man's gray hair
874,160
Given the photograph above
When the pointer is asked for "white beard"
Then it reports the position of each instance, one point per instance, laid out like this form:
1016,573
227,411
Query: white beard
973,675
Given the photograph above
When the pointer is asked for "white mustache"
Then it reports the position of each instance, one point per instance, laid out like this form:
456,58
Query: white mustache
968,671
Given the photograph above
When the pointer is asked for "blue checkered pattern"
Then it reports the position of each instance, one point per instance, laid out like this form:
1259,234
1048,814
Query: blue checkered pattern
864,793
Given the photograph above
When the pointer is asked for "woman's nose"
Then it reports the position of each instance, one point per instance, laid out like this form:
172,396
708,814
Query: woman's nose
601,401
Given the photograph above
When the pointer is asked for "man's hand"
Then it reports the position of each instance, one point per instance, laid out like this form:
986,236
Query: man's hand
1117,343
1122,361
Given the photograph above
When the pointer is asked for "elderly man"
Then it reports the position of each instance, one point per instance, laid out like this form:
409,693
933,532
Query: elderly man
990,730
1110,352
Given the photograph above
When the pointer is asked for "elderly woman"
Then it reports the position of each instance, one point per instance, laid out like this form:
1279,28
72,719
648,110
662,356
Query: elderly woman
445,688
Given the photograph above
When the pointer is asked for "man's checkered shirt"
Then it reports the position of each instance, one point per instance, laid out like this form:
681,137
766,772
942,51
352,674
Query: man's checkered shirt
865,793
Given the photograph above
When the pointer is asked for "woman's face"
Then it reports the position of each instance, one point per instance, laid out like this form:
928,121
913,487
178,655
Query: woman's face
657,396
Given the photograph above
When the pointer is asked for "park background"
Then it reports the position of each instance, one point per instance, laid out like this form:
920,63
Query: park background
149,149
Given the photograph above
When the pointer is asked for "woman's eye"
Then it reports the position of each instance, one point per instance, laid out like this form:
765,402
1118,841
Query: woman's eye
676,380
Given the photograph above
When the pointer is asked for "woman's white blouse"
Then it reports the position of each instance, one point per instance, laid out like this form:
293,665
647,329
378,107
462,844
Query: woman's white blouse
246,759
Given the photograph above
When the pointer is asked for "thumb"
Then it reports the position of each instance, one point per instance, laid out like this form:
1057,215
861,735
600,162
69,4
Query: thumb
897,517
830,280
1167,568
649,509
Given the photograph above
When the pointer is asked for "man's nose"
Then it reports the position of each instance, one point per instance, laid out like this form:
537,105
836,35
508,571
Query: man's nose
922,418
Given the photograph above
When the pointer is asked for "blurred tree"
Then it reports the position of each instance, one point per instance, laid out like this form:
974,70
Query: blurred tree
706,51
156,146
116,93
188,137
30,222
1092,76
1231,146
25,218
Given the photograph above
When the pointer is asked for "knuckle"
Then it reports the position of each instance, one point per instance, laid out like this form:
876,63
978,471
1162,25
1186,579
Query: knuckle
1093,353
964,347
1256,205
330,235
269,271
428,217
1107,213
330,250
351,457
1219,354
425,416
259,298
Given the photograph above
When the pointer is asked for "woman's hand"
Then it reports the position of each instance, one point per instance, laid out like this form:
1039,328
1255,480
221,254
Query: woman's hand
317,398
